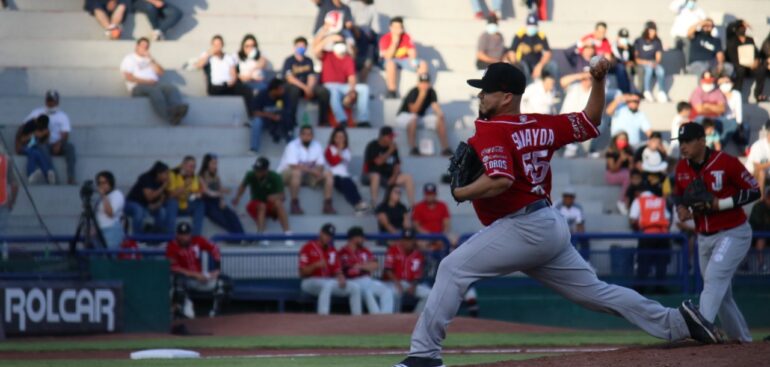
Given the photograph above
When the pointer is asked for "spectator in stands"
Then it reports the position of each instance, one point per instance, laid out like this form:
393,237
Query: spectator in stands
706,51
540,96
496,10
491,45
398,52
713,139
431,216
303,163
707,100
215,206
269,111
579,63
571,211
338,156
184,254
654,169
109,210
3,5
758,161
404,267
148,197
365,32
252,65
336,15
382,166
577,88
185,191
764,56
627,117
31,139
392,215
733,128
338,75
142,74
624,54
358,265
266,197
162,15
321,273
683,113
530,51
59,131
688,13
221,72
11,188
414,110
302,81
598,38
649,215
620,158
653,144
760,222
110,15
649,53
742,53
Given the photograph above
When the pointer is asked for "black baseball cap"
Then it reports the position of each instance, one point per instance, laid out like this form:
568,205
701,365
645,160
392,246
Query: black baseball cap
408,234
690,131
261,164
329,229
183,228
501,77
623,32
355,232
385,131
52,95
429,188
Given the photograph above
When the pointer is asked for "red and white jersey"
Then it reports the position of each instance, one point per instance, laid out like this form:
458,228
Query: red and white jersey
724,176
403,265
314,252
189,258
520,147
350,257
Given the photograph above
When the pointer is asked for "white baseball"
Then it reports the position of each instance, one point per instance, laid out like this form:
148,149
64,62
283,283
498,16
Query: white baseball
595,61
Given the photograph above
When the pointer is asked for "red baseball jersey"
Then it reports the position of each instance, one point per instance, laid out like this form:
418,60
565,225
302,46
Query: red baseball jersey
520,148
314,252
430,218
405,266
189,258
724,176
350,257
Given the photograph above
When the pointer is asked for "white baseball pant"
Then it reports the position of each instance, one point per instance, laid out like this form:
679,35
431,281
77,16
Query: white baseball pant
372,290
324,288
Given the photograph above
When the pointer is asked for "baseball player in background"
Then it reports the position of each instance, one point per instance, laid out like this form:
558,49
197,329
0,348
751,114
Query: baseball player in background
358,264
523,232
404,268
711,187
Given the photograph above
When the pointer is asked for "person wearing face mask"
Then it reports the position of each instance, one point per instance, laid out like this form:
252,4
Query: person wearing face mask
741,51
688,13
302,81
530,51
623,52
627,117
619,160
60,128
649,53
491,46
732,119
706,100
706,50
252,65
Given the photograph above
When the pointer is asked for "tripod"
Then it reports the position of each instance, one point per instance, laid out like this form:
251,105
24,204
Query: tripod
87,225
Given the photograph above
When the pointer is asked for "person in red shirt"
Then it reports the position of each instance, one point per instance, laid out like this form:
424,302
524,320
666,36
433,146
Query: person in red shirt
431,216
358,264
724,235
321,272
523,232
338,75
599,39
404,267
184,254
398,52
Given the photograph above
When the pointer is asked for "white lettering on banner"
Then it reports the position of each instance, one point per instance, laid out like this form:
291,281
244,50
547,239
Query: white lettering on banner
36,306
533,137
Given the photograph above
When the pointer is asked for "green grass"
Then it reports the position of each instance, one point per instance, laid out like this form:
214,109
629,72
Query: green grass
363,361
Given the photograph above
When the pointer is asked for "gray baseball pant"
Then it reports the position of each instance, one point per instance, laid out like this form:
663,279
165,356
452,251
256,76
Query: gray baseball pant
324,288
537,244
372,290
719,256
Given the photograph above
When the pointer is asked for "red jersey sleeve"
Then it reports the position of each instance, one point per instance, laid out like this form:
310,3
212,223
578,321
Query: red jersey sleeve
209,247
494,150
679,178
570,128
304,255
390,258
333,262
738,174
172,254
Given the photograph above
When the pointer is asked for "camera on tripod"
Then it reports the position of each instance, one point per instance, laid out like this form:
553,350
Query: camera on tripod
88,227
87,191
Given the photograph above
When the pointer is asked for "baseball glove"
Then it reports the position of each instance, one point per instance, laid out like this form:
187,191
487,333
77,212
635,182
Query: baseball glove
697,196
464,167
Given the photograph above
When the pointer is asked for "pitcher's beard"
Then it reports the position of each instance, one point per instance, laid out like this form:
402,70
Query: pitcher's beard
486,116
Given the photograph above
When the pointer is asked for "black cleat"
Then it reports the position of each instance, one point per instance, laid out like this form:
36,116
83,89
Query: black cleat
700,329
420,362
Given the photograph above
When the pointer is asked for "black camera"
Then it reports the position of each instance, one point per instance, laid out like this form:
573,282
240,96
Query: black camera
87,191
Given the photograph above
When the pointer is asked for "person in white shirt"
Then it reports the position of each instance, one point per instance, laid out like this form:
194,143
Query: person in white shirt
540,96
688,13
683,110
221,73
142,74
571,211
758,162
109,210
732,119
303,163
59,128
338,156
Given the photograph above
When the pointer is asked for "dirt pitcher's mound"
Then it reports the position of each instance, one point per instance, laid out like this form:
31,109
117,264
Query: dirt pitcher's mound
311,324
